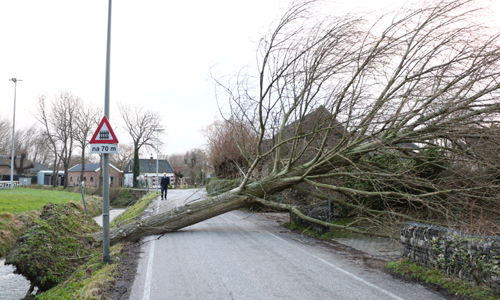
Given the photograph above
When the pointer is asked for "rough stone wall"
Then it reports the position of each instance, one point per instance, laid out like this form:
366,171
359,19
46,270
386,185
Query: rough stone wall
472,258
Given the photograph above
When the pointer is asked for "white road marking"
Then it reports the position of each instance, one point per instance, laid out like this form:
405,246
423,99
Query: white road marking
341,270
149,272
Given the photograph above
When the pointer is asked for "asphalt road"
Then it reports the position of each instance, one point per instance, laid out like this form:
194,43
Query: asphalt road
243,256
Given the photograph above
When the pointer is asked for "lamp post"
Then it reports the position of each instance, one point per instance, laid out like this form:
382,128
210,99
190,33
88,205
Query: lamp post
105,156
203,167
157,142
15,80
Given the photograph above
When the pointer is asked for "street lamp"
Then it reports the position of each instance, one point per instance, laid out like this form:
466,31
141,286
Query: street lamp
157,141
15,80
203,167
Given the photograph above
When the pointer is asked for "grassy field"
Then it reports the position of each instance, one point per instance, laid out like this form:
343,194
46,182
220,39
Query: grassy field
20,206
23,199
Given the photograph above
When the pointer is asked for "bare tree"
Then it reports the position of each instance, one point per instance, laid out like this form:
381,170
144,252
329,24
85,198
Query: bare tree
230,147
58,122
5,136
39,150
176,160
64,121
124,155
193,159
375,117
31,141
141,125
44,118
27,144
85,120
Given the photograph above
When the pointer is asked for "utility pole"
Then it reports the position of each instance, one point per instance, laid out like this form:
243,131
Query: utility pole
157,143
203,167
105,159
15,80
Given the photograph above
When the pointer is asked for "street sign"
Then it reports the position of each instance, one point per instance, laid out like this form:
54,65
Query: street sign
104,133
104,139
103,148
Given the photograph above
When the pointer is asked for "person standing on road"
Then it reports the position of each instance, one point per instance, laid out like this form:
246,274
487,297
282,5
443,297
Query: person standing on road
164,186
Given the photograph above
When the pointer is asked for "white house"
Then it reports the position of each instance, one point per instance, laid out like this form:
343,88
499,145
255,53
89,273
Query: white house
148,169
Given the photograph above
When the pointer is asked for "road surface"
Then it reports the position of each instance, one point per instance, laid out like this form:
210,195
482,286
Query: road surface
239,255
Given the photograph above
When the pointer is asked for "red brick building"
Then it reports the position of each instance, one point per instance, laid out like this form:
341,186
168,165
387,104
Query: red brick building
92,174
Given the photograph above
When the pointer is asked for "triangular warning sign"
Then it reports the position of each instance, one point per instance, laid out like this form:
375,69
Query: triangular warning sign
104,133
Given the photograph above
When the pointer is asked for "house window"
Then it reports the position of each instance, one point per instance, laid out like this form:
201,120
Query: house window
84,178
130,168
91,179
71,178
78,178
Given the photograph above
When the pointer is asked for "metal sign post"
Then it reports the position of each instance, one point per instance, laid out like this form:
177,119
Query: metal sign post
104,141
105,159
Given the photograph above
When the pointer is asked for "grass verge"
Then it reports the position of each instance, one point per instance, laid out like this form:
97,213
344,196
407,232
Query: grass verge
12,226
134,212
453,285
54,246
91,280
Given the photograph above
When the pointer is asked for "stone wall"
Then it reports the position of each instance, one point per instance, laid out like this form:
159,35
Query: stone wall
472,258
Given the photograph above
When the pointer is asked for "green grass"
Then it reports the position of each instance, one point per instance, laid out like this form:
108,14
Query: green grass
453,285
55,245
90,281
20,206
21,199
133,212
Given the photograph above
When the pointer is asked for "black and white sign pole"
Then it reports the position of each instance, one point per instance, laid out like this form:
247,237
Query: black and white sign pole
105,159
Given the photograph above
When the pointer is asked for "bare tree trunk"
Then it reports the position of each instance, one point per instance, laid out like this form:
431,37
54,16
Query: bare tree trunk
176,219
196,212
83,164
136,168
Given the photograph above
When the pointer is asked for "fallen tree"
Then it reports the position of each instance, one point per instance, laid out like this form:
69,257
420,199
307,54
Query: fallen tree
393,120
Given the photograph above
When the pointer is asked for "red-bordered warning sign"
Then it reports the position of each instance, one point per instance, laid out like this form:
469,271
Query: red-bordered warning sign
104,133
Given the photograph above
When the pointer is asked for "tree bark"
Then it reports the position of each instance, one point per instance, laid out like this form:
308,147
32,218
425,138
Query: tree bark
136,168
199,211
178,218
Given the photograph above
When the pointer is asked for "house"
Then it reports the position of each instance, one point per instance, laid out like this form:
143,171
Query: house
4,168
147,168
92,174
45,177
37,167
20,164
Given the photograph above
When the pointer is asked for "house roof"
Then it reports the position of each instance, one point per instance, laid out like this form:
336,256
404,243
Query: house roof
5,160
89,168
146,166
320,118
38,167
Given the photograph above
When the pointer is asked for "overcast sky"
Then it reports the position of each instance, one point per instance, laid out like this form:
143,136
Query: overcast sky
161,55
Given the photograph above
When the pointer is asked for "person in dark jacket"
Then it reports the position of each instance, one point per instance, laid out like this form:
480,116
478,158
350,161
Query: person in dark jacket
164,186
